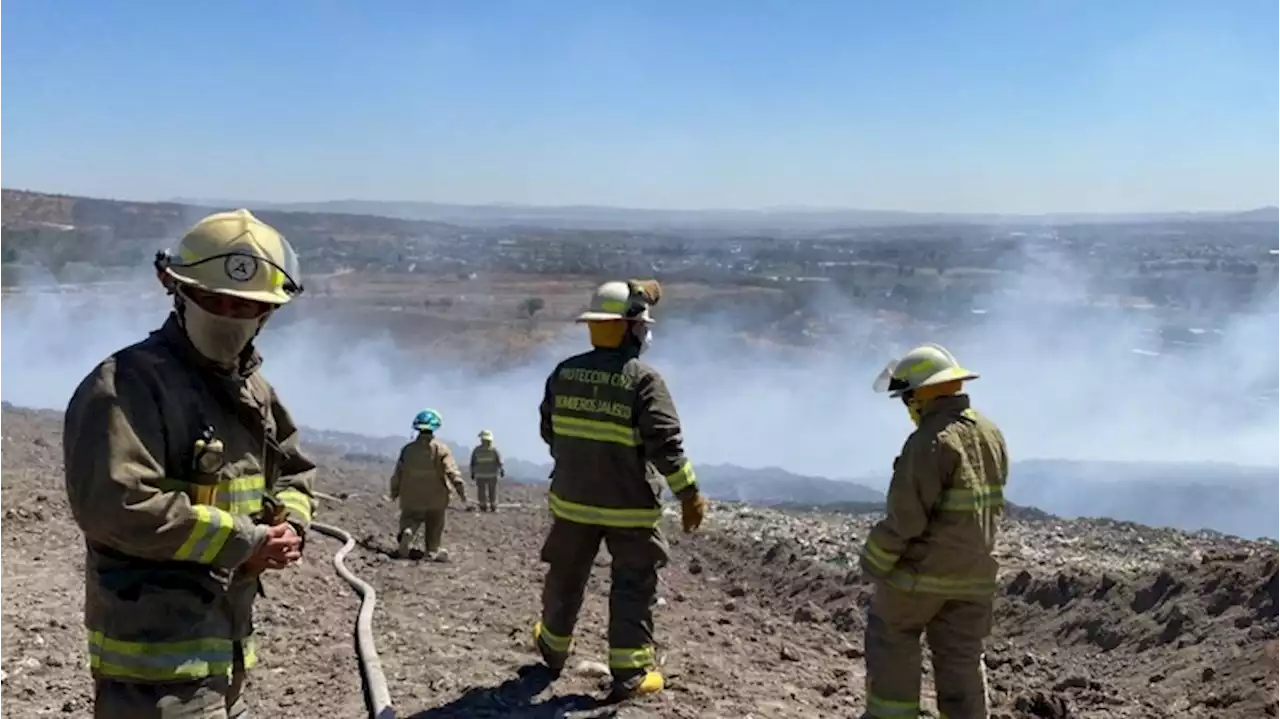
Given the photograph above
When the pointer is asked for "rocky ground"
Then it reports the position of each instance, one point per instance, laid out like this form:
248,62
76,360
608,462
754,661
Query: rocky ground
760,615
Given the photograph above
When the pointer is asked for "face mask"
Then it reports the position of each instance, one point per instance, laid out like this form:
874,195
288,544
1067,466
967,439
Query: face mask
221,339
913,409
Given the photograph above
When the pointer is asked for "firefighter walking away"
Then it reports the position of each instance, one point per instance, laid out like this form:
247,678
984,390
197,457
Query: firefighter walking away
931,556
184,474
486,470
424,474
615,439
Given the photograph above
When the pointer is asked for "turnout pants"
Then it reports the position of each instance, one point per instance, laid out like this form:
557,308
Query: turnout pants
414,521
638,553
487,491
955,629
211,698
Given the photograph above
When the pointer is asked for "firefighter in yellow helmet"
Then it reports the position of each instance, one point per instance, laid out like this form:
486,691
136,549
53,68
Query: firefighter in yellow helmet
615,438
931,556
486,470
184,474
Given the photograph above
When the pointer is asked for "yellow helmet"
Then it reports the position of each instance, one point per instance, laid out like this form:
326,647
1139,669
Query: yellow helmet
925,365
628,300
236,254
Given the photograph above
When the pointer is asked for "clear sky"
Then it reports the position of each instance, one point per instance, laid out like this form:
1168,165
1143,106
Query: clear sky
948,105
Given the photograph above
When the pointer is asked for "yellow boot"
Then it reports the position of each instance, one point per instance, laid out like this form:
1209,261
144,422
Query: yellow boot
650,682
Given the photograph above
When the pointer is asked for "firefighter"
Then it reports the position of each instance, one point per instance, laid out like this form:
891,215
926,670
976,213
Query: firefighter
931,556
615,438
486,470
184,474
421,481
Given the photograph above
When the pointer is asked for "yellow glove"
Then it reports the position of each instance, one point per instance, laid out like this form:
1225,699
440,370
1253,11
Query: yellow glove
693,510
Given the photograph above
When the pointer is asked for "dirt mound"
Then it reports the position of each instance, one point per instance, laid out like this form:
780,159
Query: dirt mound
1104,636
761,615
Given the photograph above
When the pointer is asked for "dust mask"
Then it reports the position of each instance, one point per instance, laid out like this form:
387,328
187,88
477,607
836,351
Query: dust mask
221,339
646,340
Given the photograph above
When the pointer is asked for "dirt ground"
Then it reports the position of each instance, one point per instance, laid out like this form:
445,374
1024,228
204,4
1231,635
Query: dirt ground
748,629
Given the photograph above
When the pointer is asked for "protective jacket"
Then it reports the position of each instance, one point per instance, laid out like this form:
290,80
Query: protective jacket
943,506
165,531
615,437
424,474
486,462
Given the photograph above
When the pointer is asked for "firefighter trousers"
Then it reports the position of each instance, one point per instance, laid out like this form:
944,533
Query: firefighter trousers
955,629
429,521
487,492
211,698
637,555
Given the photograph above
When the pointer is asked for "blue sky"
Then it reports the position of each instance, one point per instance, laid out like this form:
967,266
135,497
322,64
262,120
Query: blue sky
1012,106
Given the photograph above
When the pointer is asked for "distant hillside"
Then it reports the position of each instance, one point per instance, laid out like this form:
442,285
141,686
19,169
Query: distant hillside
1230,498
593,217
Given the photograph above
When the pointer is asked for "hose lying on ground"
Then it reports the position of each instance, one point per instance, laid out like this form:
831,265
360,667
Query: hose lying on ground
377,696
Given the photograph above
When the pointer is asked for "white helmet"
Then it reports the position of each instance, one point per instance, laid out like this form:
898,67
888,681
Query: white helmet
925,365
622,301
236,254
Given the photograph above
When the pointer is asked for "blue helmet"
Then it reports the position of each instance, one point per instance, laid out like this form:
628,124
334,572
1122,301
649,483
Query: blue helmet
428,420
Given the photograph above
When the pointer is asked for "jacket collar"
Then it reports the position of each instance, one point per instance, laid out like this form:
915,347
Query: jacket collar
951,404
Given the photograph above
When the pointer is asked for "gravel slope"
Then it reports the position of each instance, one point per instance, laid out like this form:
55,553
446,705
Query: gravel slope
760,615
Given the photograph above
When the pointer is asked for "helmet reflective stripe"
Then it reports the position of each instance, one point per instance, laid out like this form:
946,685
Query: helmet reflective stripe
616,301
928,364
235,254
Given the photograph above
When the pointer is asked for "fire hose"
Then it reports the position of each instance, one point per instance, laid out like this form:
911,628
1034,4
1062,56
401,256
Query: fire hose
377,696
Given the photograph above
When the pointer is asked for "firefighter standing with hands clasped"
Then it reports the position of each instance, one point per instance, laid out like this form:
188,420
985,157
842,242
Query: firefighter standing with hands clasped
184,474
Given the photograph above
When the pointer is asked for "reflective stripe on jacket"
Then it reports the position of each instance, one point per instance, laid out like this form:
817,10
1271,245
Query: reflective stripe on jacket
615,437
944,505
163,533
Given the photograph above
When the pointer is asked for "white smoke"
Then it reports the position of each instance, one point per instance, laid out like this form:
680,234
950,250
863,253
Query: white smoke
1061,382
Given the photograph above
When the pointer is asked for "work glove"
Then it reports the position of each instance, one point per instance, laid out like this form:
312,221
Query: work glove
650,289
693,509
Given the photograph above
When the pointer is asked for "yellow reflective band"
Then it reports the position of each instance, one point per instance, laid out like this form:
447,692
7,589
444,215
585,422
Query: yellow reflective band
613,306
682,478
211,529
298,504
595,430
242,495
250,651
924,584
603,516
878,557
641,658
161,661
987,496
554,642
882,708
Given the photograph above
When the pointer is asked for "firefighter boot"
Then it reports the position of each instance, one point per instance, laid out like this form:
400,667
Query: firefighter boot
553,658
637,685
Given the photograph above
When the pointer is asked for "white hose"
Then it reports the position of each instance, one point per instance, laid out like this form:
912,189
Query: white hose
377,696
